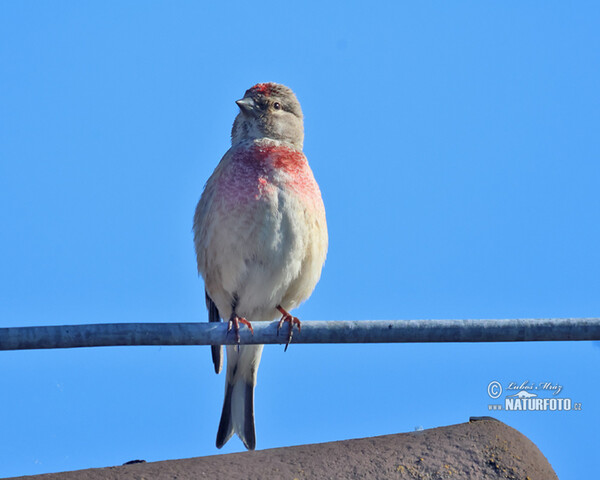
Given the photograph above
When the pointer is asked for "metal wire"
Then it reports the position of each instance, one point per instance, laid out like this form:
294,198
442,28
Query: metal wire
361,331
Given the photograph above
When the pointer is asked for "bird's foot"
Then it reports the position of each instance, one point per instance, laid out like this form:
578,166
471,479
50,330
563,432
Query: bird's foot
287,317
234,323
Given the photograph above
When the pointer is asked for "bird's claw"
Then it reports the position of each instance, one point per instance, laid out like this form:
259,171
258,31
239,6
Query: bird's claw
287,317
234,323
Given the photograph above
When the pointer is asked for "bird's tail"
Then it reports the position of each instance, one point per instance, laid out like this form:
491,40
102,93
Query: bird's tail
238,406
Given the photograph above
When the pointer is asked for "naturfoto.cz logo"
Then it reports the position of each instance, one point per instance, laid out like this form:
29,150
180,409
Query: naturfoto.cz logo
525,396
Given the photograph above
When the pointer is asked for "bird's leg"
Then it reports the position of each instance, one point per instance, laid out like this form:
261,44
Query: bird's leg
234,322
287,317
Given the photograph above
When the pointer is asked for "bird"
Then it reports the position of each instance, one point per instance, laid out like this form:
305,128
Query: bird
260,236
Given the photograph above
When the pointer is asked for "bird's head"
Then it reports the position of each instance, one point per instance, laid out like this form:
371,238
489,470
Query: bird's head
269,110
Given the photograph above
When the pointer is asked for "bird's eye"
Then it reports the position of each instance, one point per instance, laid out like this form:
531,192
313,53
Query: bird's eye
277,106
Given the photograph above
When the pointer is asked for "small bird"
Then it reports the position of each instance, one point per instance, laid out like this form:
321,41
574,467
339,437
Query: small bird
260,236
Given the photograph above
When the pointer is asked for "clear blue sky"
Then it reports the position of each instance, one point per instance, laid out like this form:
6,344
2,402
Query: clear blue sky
458,153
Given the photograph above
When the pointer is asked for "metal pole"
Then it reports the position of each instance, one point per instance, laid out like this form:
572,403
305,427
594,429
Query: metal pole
361,331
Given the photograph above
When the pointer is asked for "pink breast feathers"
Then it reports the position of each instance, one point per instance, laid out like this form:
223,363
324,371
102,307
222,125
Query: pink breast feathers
256,172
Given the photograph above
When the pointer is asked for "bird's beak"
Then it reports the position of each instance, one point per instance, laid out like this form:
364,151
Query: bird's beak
246,105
